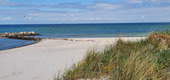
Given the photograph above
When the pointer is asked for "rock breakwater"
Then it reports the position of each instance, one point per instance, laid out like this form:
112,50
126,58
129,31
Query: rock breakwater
21,35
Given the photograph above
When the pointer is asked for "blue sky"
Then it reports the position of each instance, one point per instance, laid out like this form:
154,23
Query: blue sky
83,11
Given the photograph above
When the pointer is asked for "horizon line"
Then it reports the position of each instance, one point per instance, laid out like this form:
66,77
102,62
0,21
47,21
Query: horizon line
79,23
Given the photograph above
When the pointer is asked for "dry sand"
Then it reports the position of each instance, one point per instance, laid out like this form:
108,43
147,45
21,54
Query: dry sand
43,60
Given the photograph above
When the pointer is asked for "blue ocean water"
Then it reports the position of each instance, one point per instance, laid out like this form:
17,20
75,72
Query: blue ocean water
12,43
82,30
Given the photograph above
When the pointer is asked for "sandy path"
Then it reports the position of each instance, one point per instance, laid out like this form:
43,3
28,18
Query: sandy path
43,60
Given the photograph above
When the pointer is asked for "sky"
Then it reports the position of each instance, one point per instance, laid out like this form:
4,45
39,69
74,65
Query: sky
83,11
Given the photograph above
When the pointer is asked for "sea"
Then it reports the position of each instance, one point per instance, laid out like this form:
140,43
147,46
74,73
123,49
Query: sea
79,31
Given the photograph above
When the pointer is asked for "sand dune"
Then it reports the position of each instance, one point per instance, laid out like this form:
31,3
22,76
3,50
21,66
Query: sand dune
43,60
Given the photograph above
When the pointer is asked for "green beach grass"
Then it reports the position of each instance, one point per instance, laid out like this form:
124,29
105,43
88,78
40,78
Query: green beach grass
148,59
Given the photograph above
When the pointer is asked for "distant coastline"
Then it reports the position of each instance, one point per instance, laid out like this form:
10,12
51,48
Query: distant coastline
91,23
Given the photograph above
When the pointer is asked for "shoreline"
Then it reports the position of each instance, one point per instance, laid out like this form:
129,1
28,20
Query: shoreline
73,39
21,46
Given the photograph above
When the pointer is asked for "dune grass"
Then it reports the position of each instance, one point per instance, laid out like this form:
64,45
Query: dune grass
147,59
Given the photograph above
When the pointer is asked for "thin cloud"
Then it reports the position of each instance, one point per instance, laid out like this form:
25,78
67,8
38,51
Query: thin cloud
35,14
125,11
6,18
104,6
6,3
76,5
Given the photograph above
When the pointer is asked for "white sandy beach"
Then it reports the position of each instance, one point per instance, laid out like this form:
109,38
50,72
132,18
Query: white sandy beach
43,60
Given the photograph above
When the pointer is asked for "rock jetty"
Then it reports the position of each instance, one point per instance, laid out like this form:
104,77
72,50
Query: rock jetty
21,35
